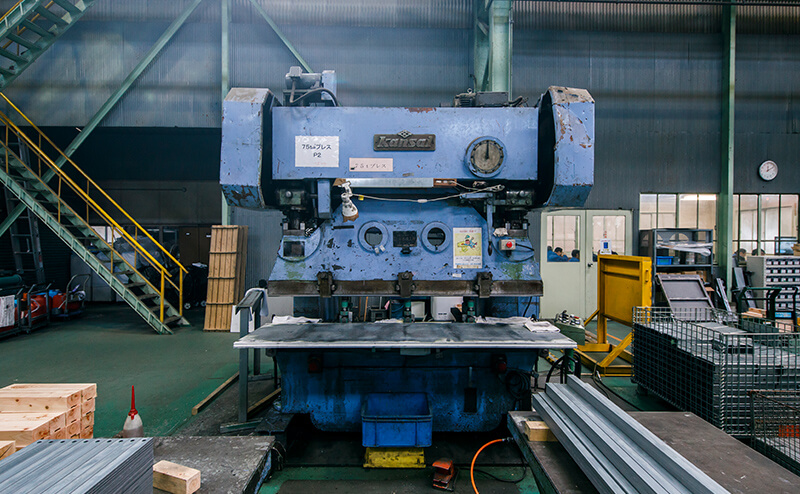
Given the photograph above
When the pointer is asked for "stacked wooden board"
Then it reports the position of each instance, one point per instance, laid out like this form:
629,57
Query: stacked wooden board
32,412
226,267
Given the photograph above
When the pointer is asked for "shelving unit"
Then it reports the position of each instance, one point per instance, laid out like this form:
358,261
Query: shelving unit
779,272
663,247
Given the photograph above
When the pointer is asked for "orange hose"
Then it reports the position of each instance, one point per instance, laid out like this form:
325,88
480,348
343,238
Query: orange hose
472,467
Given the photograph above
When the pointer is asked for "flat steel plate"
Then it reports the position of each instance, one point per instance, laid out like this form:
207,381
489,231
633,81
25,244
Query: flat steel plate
401,335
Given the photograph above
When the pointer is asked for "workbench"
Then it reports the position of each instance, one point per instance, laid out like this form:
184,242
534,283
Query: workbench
228,465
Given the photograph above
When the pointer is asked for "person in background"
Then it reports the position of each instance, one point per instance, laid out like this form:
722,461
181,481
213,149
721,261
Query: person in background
576,256
556,255
741,257
755,252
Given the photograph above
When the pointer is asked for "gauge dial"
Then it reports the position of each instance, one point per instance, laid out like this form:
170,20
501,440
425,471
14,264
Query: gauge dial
487,156
768,170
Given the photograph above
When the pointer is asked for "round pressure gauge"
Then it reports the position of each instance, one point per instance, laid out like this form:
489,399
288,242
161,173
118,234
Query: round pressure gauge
485,156
768,170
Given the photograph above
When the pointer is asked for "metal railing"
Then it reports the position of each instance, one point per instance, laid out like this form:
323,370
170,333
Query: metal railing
706,361
68,185
22,29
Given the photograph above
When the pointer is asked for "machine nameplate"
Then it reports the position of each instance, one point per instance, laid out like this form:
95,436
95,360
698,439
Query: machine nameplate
404,238
316,151
371,164
404,141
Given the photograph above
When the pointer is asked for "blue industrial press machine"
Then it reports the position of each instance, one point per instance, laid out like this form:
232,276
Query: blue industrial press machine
400,204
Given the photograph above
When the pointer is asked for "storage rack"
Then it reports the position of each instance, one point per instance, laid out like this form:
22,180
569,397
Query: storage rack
672,261
706,361
776,426
778,272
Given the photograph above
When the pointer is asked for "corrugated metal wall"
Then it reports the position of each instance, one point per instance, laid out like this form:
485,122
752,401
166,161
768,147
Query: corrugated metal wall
404,52
654,71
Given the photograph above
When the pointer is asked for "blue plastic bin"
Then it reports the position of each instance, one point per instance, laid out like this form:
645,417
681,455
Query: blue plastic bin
663,260
396,420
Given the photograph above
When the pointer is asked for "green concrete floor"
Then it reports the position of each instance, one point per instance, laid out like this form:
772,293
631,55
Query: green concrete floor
112,346
365,481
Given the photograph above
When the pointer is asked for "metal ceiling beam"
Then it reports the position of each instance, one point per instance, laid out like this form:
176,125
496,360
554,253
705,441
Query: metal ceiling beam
282,37
110,103
725,210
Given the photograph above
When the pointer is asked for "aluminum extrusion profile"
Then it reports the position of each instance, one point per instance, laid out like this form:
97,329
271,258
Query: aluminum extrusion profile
616,453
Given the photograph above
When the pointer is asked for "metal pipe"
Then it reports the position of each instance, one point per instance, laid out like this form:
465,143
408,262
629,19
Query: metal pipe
725,211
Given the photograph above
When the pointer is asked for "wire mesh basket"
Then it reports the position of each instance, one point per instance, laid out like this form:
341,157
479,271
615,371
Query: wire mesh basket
776,426
707,360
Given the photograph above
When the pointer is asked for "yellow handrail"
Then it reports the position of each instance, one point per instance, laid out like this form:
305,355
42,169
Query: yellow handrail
22,29
69,208
81,193
100,190
73,186
9,10
84,195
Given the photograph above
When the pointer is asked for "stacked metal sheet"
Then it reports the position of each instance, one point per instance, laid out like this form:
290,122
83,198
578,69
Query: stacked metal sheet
617,454
96,466
707,362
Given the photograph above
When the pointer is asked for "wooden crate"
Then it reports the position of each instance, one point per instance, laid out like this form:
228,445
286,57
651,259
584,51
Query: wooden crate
23,432
56,421
6,448
38,400
68,407
226,268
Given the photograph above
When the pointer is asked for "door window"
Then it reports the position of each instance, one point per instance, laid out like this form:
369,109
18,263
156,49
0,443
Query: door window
563,238
613,227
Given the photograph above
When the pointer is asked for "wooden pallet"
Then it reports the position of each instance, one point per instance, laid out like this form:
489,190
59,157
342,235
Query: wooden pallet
30,412
226,268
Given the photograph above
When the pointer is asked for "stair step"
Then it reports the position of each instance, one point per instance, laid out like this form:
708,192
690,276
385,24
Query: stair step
147,296
13,56
8,72
135,284
21,41
172,319
64,4
127,272
55,19
37,29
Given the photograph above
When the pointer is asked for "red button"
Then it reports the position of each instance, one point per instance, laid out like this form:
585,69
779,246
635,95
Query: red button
509,244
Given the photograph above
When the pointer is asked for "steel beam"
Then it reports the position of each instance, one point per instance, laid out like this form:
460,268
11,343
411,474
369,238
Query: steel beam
500,34
480,47
225,67
110,103
725,209
282,37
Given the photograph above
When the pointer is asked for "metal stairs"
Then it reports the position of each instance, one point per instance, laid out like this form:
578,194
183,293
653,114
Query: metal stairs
28,30
140,276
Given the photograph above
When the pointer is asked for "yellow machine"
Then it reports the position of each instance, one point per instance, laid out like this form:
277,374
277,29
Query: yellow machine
623,282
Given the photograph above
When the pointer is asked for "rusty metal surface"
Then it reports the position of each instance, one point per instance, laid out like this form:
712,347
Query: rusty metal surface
402,335
573,116
454,288
243,129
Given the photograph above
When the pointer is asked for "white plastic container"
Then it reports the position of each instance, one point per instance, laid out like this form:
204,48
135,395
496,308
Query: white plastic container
440,307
